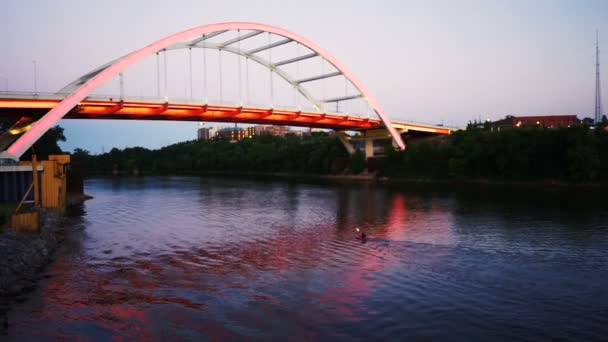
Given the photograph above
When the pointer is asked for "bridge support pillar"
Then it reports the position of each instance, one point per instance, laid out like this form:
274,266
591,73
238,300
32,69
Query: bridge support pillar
344,140
394,143
369,147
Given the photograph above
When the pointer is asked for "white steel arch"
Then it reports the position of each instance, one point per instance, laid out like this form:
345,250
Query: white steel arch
82,87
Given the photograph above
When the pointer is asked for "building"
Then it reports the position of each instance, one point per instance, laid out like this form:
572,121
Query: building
540,121
271,130
207,133
204,133
261,130
250,132
231,133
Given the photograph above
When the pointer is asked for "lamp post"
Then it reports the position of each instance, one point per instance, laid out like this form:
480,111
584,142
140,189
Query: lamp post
35,78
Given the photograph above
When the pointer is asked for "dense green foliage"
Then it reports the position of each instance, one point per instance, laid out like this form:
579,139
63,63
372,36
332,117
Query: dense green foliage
5,123
46,145
357,162
319,153
575,154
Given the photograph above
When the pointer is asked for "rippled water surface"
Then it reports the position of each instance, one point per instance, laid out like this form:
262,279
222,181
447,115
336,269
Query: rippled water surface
223,258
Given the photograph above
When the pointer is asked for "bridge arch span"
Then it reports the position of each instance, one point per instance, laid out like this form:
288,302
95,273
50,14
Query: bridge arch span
82,87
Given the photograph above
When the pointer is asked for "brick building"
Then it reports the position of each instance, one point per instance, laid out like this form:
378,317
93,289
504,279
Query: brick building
541,121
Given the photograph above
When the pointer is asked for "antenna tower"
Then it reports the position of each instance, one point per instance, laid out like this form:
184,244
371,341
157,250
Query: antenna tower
598,98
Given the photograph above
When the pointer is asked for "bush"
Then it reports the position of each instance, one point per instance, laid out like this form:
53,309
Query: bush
357,162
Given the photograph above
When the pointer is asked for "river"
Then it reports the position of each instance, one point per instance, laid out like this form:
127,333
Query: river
209,258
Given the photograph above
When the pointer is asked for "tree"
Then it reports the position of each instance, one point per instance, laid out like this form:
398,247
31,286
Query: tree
357,162
47,144
4,124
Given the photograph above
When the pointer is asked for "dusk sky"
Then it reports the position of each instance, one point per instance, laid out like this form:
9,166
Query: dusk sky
427,61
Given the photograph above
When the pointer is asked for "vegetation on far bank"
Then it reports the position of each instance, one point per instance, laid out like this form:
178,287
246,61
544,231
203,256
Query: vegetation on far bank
576,154
319,153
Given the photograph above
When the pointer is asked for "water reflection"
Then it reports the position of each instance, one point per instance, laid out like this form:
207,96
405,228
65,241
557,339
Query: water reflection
218,258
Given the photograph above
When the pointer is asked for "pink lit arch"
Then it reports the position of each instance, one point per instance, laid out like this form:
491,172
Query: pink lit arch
107,72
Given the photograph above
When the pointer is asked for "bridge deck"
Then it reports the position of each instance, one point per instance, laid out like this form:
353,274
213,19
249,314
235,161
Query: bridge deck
111,109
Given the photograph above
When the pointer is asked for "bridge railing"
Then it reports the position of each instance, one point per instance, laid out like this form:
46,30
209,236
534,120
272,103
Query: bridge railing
187,101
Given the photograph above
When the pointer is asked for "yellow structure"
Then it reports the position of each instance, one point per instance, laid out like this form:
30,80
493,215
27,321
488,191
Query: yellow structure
51,194
54,181
26,222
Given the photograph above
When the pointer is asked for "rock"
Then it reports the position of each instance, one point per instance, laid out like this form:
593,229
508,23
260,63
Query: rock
23,257
28,286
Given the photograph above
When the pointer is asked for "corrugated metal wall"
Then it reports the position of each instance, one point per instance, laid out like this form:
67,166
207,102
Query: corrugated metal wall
14,184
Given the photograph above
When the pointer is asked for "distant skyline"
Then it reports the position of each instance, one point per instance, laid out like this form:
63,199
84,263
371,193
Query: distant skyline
428,61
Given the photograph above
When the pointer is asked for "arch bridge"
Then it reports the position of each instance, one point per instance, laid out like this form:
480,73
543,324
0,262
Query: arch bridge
252,43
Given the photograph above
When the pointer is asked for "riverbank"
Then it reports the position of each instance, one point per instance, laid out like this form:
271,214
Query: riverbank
375,178
23,256
549,183
364,177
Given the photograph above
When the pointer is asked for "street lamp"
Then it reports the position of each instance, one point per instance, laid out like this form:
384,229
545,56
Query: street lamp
35,79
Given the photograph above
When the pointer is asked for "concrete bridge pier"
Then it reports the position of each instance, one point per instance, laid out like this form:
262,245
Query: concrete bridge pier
344,139
369,147
368,137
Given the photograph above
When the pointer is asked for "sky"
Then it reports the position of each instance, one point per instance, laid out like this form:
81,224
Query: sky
427,61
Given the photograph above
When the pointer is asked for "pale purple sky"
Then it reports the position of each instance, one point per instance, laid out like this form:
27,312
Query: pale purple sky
428,61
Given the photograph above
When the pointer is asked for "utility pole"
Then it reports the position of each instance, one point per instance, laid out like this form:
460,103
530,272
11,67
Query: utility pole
598,98
35,78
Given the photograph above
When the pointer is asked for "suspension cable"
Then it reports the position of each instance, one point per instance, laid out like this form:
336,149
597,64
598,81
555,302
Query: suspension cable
190,62
205,73
220,68
323,82
157,76
270,72
166,81
295,86
345,94
239,71
247,78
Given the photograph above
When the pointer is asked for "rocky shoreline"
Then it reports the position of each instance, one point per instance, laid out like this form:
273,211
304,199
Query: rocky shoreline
23,257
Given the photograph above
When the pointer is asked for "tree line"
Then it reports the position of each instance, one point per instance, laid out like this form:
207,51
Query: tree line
319,153
575,154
